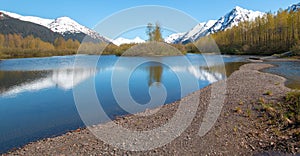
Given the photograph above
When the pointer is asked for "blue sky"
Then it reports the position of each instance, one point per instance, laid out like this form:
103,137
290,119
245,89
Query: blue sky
90,12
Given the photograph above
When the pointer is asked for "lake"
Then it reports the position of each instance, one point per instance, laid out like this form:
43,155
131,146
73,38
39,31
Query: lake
36,94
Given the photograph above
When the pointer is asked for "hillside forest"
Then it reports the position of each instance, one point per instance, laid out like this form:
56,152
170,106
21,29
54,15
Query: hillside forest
268,35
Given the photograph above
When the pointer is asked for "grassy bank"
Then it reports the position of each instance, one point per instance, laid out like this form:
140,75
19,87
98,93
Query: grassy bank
281,119
28,53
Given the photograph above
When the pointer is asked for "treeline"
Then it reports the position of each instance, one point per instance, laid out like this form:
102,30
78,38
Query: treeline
267,35
142,49
15,46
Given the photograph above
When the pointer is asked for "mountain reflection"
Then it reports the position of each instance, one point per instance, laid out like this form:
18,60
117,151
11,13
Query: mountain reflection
205,74
201,73
30,81
16,82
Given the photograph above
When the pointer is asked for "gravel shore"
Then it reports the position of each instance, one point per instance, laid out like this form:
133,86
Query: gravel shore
233,133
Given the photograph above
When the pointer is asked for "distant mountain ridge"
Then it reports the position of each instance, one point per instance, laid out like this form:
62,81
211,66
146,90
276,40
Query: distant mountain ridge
65,26
233,18
122,40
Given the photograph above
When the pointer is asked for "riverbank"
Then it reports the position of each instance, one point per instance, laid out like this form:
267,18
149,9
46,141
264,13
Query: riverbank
236,131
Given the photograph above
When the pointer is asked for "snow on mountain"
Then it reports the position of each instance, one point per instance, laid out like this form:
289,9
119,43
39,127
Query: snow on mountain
173,37
62,25
122,40
233,18
37,20
198,31
294,7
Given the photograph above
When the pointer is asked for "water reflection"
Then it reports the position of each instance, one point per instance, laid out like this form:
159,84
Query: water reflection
202,73
155,74
16,82
32,81
10,79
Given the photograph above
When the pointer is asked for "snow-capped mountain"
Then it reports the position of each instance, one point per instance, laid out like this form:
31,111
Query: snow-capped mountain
173,37
122,40
198,31
233,18
65,25
294,7
62,25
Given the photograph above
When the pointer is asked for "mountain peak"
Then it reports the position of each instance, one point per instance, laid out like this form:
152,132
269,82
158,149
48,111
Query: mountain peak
294,7
238,8
67,20
232,18
67,25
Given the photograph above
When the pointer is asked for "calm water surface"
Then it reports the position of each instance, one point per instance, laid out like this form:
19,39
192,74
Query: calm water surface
36,94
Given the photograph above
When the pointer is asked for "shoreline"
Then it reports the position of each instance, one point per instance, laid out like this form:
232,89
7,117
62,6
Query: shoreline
240,88
252,58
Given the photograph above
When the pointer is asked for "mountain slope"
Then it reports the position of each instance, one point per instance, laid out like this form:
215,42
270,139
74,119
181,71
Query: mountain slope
173,37
9,25
198,31
65,26
294,7
233,18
